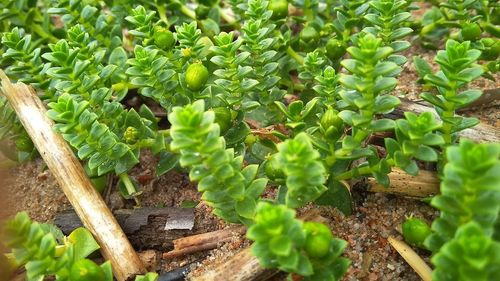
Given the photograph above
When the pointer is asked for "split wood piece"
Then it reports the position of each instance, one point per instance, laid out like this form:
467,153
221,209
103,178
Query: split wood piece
203,242
242,267
69,173
412,258
246,267
425,184
479,133
144,227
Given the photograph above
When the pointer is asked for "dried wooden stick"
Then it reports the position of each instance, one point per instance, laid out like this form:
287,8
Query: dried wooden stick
412,258
203,242
208,237
242,267
425,184
69,173
479,133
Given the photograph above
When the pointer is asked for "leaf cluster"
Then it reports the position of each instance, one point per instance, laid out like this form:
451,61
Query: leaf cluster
229,188
465,238
464,20
45,251
285,242
457,69
469,192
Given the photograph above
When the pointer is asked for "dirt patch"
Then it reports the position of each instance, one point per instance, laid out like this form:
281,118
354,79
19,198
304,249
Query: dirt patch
32,188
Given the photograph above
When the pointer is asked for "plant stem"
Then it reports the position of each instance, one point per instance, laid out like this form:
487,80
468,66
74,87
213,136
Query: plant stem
162,13
130,187
354,173
230,20
291,52
165,133
41,32
122,85
365,170
448,113
187,12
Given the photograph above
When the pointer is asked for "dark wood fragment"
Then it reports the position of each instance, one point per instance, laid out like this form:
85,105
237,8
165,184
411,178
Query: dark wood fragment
145,227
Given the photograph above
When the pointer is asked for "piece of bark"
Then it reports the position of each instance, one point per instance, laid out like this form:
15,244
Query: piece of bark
72,179
203,242
425,184
244,266
479,133
145,227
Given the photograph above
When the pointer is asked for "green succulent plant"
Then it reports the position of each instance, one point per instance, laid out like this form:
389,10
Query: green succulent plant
287,243
469,192
46,253
457,69
261,105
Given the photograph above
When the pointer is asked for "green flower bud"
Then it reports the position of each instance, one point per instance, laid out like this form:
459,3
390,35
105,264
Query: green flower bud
273,170
309,34
130,135
332,126
331,119
196,76
202,11
279,8
205,41
251,139
223,117
318,239
163,38
471,31
335,49
415,231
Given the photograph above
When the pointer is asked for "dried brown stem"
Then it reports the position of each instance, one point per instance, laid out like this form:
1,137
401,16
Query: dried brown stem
412,258
203,242
69,173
